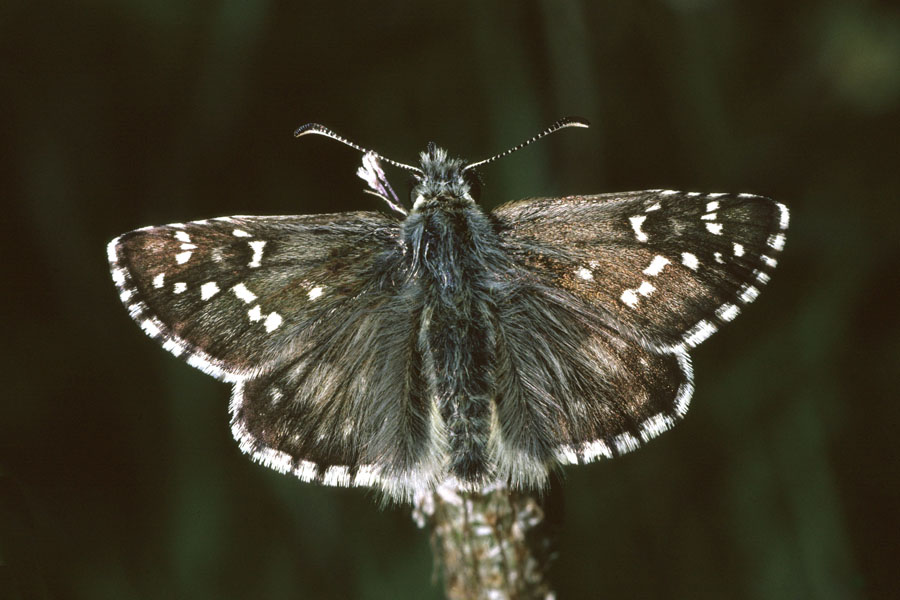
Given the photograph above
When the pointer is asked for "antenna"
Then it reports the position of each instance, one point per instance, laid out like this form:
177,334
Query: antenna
322,130
561,124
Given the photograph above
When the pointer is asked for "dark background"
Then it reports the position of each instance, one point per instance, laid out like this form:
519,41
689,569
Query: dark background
118,474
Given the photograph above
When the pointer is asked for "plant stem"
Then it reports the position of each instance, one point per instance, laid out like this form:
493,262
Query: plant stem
493,544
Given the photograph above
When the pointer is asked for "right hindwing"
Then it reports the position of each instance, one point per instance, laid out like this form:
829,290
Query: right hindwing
571,389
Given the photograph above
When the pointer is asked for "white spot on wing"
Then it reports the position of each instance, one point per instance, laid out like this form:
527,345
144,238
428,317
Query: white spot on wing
240,233
315,292
159,280
182,257
714,228
136,309
761,277
784,216
255,313
367,475
274,459
208,290
173,347
306,470
656,206
125,296
712,206
748,294
738,249
257,247
718,257
629,298
655,425
150,328
776,241
592,450
179,287
337,475
626,443
182,236
667,192
200,360
771,262
699,333
636,223
111,254
276,396
566,455
584,273
709,217
656,265
690,261
683,399
272,322
118,276
727,312
241,291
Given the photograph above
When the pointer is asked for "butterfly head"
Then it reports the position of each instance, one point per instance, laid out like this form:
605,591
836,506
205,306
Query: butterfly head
443,180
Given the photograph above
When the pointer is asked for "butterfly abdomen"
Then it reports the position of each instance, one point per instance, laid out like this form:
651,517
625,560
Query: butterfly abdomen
457,328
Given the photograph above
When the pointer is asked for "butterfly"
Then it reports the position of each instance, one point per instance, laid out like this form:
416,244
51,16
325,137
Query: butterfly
445,343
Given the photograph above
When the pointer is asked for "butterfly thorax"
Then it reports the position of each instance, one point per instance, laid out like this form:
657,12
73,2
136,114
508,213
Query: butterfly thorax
447,234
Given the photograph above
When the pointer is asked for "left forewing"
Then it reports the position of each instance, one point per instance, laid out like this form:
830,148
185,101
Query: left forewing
233,295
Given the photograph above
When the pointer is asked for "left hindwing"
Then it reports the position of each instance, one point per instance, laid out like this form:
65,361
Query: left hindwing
664,268
315,319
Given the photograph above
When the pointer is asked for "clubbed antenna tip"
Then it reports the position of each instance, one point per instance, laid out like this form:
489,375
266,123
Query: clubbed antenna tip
561,124
322,130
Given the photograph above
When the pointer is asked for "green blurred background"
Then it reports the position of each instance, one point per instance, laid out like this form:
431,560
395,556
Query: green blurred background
118,474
